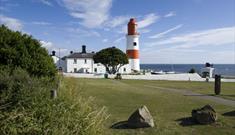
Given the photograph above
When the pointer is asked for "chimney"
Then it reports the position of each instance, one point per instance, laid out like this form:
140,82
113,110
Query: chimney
53,53
83,49
207,64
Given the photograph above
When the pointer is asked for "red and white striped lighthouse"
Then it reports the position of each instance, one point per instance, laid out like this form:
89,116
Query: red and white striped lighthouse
132,45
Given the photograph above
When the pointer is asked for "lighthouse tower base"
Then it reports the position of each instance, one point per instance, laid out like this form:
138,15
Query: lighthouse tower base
134,64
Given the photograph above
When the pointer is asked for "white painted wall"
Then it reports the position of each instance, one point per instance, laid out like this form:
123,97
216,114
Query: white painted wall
69,65
81,66
134,63
55,59
130,39
209,70
127,70
100,68
59,63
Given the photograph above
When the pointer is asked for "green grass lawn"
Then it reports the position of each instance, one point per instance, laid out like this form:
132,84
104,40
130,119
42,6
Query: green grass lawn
227,88
167,108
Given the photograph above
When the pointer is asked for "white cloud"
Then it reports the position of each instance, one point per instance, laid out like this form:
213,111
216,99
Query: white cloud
142,31
105,40
212,37
159,35
47,45
170,14
45,2
144,22
196,47
12,23
93,13
187,56
51,47
117,21
118,40
147,20
96,14
41,23
82,32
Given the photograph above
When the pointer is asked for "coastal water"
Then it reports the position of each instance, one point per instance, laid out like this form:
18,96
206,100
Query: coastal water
222,69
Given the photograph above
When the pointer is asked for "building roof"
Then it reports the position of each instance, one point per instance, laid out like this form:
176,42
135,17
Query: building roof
80,55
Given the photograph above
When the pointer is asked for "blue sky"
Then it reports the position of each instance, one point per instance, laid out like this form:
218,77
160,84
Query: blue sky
171,31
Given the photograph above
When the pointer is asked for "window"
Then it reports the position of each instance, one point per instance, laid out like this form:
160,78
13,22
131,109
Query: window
95,70
85,61
75,61
124,69
134,43
75,70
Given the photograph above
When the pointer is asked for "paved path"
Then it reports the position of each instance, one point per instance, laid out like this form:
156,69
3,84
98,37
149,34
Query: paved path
202,96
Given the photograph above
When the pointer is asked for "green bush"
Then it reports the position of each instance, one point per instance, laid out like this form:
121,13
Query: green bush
192,70
26,107
22,50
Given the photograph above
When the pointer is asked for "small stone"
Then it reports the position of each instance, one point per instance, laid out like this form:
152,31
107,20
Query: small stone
141,118
204,115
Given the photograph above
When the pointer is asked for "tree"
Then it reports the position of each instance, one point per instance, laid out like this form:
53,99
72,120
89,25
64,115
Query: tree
22,50
112,58
192,70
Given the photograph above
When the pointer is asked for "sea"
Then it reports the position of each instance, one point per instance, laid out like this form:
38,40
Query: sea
221,69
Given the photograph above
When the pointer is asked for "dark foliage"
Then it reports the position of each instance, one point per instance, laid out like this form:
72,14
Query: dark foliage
192,70
112,58
22,50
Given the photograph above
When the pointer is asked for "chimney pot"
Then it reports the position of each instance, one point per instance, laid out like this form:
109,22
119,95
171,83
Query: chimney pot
83,49
53,53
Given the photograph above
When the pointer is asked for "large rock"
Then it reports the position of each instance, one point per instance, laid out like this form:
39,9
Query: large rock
141,118
204,115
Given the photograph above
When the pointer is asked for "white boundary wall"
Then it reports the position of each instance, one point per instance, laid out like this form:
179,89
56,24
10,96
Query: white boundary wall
171,77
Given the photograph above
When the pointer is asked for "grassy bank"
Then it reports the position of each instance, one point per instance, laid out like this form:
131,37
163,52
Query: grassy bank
168,109
26,107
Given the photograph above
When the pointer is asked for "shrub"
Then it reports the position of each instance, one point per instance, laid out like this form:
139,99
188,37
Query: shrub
192,70
22,50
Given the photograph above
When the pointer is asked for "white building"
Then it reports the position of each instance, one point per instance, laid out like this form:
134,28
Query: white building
82,62
57,61
207,71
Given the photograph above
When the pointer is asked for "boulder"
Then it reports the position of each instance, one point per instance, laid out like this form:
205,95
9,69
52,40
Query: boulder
141,118
204,115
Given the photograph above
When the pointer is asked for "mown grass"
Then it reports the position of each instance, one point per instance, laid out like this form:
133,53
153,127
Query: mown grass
227,88
167,108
